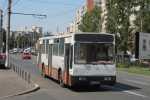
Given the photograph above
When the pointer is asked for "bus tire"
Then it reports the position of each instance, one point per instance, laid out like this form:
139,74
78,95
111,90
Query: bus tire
61,83
43,70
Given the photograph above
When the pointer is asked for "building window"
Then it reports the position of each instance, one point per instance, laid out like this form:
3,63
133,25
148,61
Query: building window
97,3
43,41
55,49
43,49
144,45
46,46
47,41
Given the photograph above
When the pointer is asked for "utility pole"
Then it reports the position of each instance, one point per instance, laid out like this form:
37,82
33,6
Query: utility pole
8,33
1,30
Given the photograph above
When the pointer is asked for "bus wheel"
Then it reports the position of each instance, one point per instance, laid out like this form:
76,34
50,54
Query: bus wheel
61,83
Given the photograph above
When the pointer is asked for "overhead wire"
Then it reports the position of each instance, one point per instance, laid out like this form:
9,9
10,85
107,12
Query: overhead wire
54,15
4,3
64,13
5,8
57,2
52,2
41,1
14,4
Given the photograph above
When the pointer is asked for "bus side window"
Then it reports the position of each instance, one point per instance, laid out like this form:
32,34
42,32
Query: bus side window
70,56
66,56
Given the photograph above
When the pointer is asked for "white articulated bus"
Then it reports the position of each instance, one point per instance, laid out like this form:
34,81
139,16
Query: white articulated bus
79,58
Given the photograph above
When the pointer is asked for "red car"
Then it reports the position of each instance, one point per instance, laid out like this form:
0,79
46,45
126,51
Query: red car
26,55
2,58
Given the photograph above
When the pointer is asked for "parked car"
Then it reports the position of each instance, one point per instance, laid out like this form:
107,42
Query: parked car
133,59
2,59
11,51
21,51
15,50
26,55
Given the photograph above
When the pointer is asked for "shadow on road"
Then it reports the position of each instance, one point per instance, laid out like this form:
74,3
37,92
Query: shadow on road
124,87
2,67
119,87
89,89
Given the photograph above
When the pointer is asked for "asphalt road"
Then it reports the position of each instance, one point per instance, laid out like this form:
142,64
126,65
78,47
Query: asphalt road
128,87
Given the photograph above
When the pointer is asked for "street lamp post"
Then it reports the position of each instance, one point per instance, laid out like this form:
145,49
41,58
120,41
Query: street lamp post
1,30
8,33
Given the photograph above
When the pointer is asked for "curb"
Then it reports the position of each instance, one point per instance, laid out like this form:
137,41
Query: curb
35,88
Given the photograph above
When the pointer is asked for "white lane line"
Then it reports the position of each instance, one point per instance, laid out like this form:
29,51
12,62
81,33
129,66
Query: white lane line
138,82
136,94
129,92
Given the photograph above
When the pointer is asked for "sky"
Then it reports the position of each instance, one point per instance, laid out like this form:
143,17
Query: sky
59,13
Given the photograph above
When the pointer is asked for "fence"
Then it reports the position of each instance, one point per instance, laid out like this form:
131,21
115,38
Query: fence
22,73
126,59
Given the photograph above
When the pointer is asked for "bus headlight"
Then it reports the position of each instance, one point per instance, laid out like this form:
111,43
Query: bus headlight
107,79
82,79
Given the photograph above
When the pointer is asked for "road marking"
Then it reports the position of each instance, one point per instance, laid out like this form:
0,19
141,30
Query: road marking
129,92
138,82
134,93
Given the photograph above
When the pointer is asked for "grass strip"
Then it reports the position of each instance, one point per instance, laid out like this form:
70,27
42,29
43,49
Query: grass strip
134,69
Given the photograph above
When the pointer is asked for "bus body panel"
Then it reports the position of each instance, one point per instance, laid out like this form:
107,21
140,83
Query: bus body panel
93,74
92,80
93,70
44,59
58,62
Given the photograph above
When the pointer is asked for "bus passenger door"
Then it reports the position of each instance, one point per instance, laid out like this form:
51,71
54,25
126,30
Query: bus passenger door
50,60
39,51
68,62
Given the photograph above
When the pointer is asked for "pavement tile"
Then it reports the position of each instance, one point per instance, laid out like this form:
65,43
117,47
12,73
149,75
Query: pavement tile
11,83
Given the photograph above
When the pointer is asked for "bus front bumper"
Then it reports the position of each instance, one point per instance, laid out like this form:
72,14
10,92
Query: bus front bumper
93,80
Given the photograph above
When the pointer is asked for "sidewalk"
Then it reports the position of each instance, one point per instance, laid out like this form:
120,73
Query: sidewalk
11,83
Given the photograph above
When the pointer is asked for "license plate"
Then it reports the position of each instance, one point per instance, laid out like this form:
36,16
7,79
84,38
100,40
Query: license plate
94,82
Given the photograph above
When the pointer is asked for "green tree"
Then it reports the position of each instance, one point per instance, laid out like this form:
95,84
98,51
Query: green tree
12,41
23,41
118,21
143,16
19,41
91,21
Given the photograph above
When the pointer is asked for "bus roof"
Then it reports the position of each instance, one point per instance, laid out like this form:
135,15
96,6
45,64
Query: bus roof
70,35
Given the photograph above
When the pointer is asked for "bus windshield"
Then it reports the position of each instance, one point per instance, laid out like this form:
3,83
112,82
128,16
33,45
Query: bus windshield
94,53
